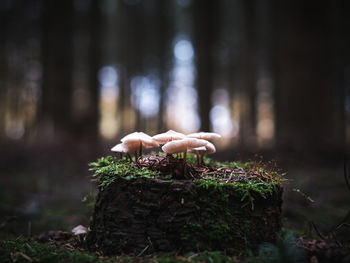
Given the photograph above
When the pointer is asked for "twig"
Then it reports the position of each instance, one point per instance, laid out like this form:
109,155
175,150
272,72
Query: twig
25,256
30,248
143,251
312,224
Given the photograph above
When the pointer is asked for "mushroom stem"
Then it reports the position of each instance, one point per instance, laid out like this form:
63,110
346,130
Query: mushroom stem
129,157
184,154
202,157
140,149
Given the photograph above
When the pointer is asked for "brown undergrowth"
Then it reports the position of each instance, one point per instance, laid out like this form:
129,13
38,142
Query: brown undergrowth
221,172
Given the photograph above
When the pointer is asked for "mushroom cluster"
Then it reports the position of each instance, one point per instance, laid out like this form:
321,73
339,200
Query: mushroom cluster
171,142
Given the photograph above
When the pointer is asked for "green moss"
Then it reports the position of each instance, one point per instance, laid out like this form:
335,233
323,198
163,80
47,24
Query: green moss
247,190
108,169
192,158
234,165
223,216
215,224
24,250
158,153
206,256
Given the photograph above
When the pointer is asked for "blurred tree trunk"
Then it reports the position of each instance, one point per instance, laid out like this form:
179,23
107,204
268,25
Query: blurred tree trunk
164,31
131,49
340,40
264,85
3,70
248,74
95,64
206,31
57,62
124,87
303,74
345,9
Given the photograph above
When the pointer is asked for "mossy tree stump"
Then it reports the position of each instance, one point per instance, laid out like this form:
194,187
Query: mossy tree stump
146,214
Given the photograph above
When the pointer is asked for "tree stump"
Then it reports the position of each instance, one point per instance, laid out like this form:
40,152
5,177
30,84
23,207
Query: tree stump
144,215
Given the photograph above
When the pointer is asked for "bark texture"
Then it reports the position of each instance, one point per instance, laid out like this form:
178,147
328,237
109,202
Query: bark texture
148,215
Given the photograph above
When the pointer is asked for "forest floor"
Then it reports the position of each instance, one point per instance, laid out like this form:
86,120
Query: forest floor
60,246
44,192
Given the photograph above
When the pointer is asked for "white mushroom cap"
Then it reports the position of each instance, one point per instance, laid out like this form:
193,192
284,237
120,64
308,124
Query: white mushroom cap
139,137
175,146
131,135
148,141
127,147
78,230
119,148
205,135
183,145
210,148
168,136
207,149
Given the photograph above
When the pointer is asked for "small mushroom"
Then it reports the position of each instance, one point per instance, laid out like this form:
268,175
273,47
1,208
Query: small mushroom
128,148
141,139
168,136
119,148
197,151
209,148
209,136
150,140
78,230
183,145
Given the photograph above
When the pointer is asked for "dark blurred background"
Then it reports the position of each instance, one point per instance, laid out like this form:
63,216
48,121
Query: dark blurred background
273,77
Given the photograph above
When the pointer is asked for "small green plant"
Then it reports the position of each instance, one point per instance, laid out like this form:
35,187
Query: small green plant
89,199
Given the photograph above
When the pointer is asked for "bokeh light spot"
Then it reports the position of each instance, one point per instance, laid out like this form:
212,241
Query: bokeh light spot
183,50
145,95
108,76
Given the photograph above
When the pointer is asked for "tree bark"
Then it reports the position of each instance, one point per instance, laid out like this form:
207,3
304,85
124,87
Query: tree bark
164,215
